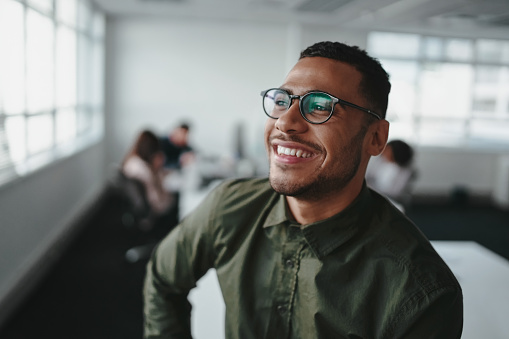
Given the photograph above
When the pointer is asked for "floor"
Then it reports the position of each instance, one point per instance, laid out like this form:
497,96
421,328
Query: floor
94,292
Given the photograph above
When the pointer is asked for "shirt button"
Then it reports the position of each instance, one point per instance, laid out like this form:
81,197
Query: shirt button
289,263
281,309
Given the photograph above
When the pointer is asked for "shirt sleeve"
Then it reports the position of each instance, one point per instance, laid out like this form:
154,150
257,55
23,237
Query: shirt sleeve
182,258
438,315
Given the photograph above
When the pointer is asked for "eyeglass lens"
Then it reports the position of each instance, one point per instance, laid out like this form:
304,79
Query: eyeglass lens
314,107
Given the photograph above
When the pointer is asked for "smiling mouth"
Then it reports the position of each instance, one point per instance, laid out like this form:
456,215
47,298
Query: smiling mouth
293,152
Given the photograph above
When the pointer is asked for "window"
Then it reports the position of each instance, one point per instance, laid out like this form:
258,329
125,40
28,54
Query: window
50,76
446,91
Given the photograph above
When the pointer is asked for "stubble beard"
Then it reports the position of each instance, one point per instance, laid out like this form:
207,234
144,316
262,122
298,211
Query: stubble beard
327,182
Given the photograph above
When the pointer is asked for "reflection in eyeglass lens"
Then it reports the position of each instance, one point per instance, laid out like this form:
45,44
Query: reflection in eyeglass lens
317,106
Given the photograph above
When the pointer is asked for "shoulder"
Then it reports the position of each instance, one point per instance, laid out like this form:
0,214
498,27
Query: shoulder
241,193
230,212
133,160
409,255
240,196
243,186
413,273
134,166
166,143
407,245
232,195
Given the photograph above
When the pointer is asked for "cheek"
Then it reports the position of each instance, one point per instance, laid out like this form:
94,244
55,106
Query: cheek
269,125
332,142
340,145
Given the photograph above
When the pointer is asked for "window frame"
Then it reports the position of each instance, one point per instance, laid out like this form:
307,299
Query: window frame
412,124
84,110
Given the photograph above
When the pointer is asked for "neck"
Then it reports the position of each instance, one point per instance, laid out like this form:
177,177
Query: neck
307,211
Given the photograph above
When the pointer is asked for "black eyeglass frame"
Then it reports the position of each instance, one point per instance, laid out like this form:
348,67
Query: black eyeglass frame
301,97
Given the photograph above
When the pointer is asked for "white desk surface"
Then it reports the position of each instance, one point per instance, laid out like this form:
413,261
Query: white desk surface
484,278
482,274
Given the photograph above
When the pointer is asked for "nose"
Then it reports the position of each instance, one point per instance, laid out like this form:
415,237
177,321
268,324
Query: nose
291,121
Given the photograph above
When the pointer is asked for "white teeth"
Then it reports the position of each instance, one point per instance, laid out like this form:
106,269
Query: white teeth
293,152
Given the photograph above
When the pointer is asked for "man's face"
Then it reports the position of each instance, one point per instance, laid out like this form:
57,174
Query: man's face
326,157
179,137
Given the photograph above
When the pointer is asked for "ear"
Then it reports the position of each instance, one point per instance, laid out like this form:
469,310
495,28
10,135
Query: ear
378,134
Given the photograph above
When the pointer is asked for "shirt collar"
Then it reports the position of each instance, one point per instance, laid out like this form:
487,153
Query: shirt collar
278,214
325,236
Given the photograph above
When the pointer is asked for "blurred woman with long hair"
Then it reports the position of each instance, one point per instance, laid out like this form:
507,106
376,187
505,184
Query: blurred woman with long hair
144,163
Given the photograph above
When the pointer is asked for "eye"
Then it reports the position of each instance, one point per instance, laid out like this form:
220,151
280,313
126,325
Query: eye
319,106
281,100
281,103
316,106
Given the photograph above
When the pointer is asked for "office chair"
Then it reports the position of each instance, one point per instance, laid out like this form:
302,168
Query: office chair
136,215
404,197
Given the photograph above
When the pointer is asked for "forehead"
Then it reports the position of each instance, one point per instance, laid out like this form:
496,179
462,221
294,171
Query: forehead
317,73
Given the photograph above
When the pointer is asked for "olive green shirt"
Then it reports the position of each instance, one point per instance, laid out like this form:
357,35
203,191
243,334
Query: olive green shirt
366,272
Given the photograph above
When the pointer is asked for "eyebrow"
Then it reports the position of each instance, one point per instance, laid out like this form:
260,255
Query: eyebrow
306,92
286,89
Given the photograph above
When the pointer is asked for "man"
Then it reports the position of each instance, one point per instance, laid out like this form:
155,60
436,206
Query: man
176,147
311,252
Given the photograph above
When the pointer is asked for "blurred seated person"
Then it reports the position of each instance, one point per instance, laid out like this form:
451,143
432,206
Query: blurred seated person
178,154
392,173
176,148
144,163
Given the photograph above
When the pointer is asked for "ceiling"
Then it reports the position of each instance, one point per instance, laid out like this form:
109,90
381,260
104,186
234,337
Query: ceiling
473,18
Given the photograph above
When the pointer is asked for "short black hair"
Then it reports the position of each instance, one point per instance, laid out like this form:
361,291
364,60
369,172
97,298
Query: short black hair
402,152
185,125
375,85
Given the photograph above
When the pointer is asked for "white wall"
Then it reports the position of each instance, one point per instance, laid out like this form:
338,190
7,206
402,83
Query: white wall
37,210
209,73
443,169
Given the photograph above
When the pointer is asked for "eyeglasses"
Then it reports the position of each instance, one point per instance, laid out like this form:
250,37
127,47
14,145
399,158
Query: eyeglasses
315,107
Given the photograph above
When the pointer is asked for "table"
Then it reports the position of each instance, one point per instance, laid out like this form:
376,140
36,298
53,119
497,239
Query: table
484,278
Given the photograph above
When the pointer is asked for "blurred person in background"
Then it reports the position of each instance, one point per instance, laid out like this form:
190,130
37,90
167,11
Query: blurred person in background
144,162
176,148
393,172
178,155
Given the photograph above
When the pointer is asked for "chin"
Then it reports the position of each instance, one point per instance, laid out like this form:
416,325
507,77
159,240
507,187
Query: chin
319,188
285,186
